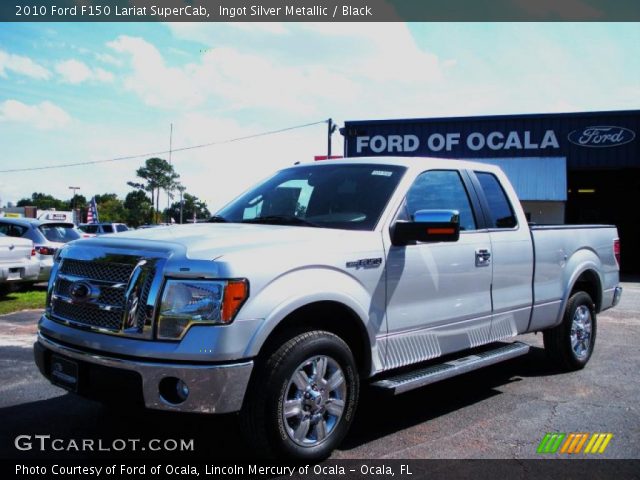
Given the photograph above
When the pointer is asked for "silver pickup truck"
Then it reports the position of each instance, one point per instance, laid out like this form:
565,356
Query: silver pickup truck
395,272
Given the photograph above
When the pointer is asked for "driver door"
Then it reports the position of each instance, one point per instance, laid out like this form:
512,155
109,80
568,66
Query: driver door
438,294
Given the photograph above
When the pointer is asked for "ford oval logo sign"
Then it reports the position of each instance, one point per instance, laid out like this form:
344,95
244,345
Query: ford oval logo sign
81,292
601,136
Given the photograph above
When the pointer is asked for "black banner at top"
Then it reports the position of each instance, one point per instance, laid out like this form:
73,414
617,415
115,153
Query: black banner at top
318,10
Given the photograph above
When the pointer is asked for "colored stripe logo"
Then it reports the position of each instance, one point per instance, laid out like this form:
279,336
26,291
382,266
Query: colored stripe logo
574,443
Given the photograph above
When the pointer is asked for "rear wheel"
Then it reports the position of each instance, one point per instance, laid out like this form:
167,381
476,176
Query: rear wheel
302,398
570,344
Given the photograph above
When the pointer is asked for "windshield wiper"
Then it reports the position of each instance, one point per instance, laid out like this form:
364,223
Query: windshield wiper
217,219
281,220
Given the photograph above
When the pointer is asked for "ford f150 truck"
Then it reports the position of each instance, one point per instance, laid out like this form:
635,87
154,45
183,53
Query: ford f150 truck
395,272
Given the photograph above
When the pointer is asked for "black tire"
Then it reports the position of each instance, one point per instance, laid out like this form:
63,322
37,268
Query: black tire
263,414
558,340
5,289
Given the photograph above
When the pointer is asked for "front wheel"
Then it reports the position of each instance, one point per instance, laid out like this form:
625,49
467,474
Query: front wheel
302,398
570,344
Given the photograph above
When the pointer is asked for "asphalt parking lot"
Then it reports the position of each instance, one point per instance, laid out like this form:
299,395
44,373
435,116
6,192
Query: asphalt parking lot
499,412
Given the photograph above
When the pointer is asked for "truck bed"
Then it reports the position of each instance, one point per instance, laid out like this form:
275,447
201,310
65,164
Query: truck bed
562,254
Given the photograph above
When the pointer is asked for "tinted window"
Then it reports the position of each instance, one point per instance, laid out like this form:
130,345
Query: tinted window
332,196
441,190
59,233
502,215
121,228
107,228
11,230
89,228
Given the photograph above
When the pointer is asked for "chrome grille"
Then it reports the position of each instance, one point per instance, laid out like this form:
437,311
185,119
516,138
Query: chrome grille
145,315
88,314
108,272
105,307
108,295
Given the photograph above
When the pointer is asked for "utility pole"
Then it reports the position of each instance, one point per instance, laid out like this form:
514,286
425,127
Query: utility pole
170,151
331,128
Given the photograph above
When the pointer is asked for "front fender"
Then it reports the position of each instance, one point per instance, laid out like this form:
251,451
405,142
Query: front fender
297,288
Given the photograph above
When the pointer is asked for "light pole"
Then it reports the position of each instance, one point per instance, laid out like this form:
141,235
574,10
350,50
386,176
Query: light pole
181,189
73,202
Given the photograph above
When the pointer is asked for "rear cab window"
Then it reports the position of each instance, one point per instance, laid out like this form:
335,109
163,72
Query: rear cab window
500,209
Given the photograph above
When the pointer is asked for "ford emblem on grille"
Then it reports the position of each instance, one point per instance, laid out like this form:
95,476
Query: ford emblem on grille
82,291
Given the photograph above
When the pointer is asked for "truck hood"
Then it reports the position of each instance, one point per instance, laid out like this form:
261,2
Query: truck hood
214,240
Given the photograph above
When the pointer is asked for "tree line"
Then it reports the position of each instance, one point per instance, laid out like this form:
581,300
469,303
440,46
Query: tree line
141,205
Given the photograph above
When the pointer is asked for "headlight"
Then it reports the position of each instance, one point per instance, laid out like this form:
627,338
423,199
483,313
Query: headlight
187,302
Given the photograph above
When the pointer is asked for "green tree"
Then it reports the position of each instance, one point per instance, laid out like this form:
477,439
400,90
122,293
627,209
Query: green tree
192,205
43,202
138,207
79,202
111,208
157,174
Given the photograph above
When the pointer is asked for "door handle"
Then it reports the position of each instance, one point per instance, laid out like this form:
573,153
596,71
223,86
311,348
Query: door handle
483,257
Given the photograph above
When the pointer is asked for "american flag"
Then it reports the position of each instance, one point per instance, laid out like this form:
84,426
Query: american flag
92,212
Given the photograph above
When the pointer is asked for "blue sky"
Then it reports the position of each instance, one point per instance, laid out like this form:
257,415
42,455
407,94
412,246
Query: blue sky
81,92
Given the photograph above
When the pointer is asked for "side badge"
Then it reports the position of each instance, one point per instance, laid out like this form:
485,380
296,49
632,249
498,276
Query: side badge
365,263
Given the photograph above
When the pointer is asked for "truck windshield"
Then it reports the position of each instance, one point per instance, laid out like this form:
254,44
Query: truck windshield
345,196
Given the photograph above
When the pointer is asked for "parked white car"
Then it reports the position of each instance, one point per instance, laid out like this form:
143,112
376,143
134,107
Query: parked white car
17,261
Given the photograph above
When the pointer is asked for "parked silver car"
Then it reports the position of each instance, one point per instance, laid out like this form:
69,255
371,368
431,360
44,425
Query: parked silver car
17,262
47,238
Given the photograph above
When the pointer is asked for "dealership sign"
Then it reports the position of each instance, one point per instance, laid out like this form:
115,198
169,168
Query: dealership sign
475,141
601,136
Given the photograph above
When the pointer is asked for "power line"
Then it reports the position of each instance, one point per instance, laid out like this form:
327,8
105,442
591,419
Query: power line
151,154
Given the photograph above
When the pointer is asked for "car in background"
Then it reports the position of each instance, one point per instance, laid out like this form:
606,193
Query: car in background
47,238
17,262
102,228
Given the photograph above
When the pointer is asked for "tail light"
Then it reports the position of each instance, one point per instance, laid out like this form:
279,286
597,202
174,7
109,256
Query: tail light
45,250
33,252
616,250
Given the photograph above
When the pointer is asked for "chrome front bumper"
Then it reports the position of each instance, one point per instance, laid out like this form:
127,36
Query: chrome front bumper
212,388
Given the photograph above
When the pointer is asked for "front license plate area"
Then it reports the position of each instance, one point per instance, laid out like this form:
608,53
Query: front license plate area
64,373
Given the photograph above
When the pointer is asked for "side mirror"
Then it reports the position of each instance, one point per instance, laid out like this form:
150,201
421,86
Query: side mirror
428,226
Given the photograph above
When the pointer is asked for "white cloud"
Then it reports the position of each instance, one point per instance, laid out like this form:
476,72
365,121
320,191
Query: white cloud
156,83
109,59
21,65
75,72
43,116
372,59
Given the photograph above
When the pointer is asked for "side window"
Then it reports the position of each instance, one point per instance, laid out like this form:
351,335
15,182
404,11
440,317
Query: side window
438,190
11,230
121,228
502,215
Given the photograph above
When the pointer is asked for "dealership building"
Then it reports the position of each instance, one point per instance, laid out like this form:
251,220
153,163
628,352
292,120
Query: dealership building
566,167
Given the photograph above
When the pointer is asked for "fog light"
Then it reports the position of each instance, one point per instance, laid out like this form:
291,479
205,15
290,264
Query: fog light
173,390
182,390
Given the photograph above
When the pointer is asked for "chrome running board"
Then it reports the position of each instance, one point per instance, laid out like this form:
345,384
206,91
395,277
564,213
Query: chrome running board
434,373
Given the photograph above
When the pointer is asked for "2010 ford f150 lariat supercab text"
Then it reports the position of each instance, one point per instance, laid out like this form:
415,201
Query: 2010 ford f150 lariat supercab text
395,272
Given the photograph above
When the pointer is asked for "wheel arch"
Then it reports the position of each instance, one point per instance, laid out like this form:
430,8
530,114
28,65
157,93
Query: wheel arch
328,315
